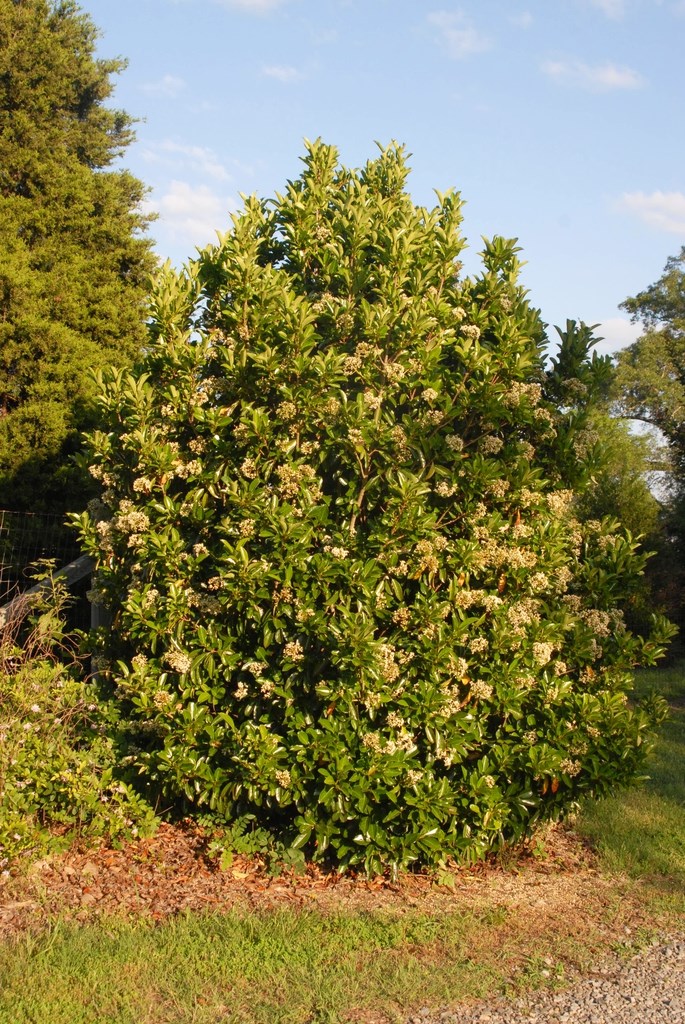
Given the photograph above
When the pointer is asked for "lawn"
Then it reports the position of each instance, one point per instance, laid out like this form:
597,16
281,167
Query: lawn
532,920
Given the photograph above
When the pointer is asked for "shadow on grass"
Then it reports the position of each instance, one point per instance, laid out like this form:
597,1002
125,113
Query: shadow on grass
641,832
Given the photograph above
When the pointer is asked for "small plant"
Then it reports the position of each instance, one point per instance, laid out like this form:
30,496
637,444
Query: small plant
244,837
58,739
337,535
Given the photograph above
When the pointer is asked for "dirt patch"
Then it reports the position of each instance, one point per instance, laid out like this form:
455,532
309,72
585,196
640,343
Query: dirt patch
171,873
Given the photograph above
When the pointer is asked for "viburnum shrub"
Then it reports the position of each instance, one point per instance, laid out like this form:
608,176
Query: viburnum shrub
350,598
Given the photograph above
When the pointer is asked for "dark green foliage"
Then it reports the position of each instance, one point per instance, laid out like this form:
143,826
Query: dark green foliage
73,267
350,594
61,762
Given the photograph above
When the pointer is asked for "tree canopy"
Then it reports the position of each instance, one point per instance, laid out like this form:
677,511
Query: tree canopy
74,264
649,387
650,378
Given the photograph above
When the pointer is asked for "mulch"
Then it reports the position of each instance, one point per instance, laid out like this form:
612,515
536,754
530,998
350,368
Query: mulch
172,873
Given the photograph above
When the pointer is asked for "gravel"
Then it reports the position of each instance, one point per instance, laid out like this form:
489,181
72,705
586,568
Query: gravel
647,989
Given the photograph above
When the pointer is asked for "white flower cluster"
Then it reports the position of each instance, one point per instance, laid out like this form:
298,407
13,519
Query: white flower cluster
575,388
336,552
454,442
292,478
143,485
561,578
293,651
546,420
490,444
351,364
480,690
379,744
331,408
465,598
402,617
373,400
394,372
559,502
498,488
598,621
129,519
399,439
518,392
185,469
287,411
150,597
478,645
542,652
388,668
526,450
539,582
584,441
433,417
179,661
471,332
501,555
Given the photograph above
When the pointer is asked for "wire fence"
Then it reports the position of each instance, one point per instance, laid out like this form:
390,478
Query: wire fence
28,538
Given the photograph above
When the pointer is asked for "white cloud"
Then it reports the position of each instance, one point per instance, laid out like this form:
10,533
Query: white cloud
199,159
612,8
662,210
191,213
616,333
598,78
168,86
282,72
458,34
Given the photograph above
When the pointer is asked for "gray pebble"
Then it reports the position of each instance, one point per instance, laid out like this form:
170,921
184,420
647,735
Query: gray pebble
648,988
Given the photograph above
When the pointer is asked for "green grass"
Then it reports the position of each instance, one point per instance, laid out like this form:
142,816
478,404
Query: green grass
641,832
297,966
279,968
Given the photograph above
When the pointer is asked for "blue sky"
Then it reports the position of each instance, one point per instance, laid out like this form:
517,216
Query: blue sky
559,121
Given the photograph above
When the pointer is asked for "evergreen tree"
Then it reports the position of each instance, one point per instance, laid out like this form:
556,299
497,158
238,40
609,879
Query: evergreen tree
73,263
